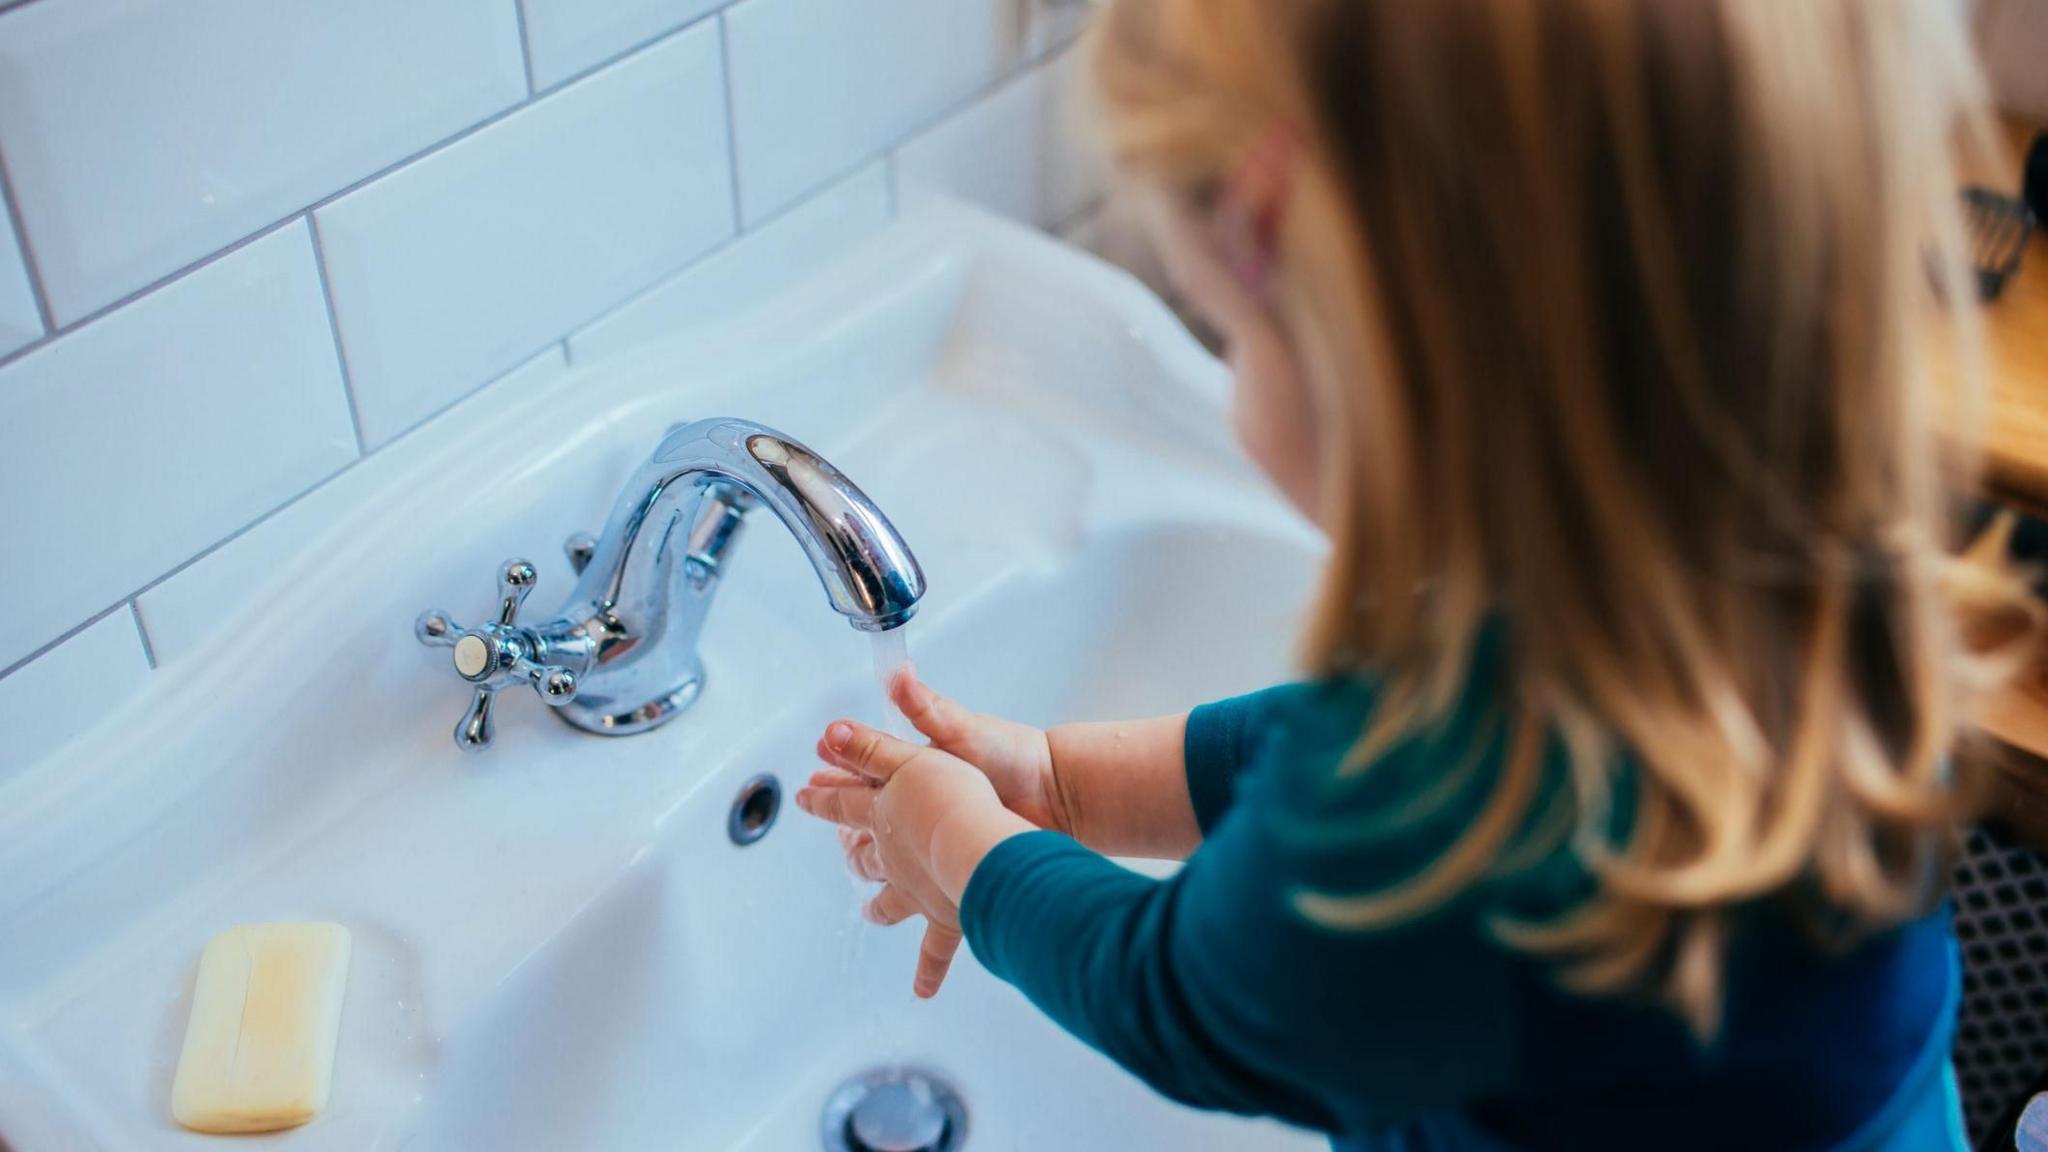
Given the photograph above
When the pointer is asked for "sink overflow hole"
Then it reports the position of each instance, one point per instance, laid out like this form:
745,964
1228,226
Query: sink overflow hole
895,1110
754,810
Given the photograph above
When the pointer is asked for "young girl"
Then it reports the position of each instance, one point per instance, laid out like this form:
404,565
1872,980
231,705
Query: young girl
1613,814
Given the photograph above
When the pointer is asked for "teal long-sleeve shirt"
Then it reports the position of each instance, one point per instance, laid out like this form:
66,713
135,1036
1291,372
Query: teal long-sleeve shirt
1214,989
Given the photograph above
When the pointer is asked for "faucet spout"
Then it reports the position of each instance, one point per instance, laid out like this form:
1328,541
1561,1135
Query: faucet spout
641,600
869,573
625,643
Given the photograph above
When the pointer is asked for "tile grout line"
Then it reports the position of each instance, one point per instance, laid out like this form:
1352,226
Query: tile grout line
1017,74
1016,71
226,250
348,383
732,136
70,633
622,54
349,189
208,261
733,240
150,585
134,597
885,156
525,47
888,151
142,630
474,391
29,264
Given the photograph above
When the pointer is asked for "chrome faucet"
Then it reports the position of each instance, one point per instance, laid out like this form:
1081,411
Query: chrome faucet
621,655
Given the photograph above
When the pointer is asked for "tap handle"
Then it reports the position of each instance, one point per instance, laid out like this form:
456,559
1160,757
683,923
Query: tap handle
495,655
474,731
555,685
516,579
579,548
436,629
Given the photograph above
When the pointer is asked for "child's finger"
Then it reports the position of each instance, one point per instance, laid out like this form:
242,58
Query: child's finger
934,959
863,855
892,905
943,722
854,806
839,778
859,748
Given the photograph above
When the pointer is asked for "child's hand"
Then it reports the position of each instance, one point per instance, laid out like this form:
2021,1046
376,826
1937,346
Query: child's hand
929,817
1016,758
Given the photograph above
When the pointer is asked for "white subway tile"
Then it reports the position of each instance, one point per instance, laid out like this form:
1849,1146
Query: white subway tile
200,599
143,135
19,322
139,440
59,694
820,85
461,265
1025,150
749,270
564,37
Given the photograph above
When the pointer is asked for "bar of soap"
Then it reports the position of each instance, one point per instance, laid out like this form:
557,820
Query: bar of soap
259,1048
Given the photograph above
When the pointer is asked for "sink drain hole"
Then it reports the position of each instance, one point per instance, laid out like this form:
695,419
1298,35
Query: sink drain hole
895,1110
754,810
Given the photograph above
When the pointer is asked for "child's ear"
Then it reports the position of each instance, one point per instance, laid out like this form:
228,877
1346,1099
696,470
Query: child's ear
1254,205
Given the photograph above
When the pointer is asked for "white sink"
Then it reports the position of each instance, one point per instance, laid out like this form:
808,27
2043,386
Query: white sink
557,945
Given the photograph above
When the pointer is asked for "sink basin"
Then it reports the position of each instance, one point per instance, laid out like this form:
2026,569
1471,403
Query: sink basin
557,945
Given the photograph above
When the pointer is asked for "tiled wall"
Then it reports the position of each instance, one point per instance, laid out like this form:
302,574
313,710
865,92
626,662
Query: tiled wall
248,242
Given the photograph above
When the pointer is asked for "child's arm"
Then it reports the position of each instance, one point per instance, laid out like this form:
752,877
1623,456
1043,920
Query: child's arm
1125,786
1119,787
1208,984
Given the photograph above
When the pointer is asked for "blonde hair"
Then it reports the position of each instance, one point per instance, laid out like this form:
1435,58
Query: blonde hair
1613,313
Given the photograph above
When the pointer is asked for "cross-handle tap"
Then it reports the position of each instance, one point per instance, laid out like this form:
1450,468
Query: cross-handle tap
621,656
496,655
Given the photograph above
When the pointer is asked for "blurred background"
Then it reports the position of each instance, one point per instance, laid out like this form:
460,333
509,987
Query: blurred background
2013,36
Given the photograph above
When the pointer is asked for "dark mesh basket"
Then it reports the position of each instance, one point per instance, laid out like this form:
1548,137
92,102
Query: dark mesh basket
1999,228
2001,1051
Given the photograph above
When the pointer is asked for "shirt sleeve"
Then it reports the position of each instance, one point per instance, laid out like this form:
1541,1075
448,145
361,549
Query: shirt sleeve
1214,990
1222,739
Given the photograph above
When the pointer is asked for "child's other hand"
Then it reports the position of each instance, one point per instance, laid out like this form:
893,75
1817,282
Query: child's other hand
1016,758
928,818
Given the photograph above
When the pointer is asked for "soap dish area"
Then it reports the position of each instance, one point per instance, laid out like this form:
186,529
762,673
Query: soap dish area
558,943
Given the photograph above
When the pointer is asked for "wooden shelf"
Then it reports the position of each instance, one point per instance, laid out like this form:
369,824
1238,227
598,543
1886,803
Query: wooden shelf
2016,472
2016,339
2016,343
2018,720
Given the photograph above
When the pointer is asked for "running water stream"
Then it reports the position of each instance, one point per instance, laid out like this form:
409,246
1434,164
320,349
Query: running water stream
891,652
